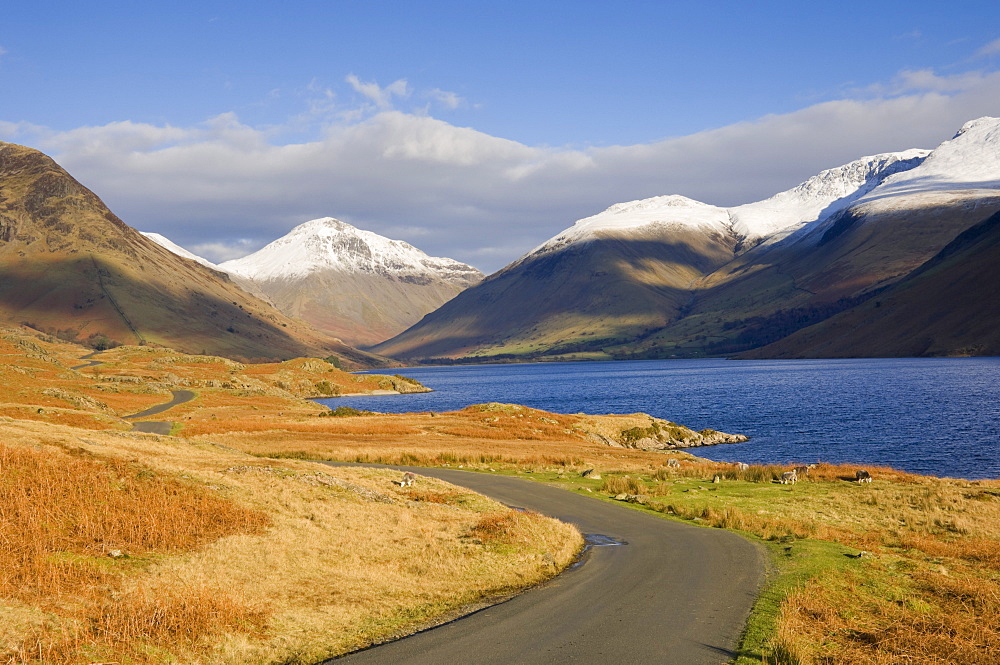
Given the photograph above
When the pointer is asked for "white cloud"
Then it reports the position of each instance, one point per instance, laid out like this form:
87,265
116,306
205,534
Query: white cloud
14,131
990,49
381,97
405,232
217,252
927,80
448,100
224,188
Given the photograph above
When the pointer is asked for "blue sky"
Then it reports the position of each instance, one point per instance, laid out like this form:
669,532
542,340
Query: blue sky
473,130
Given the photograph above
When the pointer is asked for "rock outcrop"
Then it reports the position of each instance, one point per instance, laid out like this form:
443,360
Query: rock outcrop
640,431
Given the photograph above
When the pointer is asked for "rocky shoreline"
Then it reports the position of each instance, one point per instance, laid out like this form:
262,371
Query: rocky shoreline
653,434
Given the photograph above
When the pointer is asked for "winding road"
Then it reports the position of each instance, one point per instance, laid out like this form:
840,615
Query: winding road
160,427
648,591
673,594
149,427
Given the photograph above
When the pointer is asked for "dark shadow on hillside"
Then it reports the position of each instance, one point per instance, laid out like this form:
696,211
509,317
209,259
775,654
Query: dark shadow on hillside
86,296
595,280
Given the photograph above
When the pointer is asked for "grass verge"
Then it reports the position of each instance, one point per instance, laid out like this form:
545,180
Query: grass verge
201,554
904,570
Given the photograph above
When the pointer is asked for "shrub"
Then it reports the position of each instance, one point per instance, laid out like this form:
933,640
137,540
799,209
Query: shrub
507,528
624,485
326,388
344,412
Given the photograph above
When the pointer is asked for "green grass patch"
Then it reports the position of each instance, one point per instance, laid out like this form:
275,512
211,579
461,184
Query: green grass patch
795,562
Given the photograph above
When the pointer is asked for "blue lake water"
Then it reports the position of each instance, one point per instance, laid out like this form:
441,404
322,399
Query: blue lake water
937,416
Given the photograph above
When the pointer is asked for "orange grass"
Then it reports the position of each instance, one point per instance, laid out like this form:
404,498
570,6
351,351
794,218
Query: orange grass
468,437
36,372
133,625
508,527
940,619
63,512
349,558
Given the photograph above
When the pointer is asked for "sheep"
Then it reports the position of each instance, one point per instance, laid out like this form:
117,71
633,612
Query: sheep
408,479
741,466
789,477
862,476
803,471
673,463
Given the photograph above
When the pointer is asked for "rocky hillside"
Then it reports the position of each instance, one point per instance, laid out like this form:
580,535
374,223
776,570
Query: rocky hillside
69,266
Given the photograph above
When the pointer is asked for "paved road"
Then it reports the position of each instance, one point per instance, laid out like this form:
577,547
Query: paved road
159,427
150,427
675,594
89,363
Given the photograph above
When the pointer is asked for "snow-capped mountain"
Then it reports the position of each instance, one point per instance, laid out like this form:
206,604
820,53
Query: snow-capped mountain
328,244
672,276
813,200
73,266
353,283
970,161
168,244
657,214
820,196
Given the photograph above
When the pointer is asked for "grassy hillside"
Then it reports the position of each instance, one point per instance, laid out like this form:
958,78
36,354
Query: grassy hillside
70,267
362,309
904,569
576,300
944,308
692,296
39,382
136,548
770,293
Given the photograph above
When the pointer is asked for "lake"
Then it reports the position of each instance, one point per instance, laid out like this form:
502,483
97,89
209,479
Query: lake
937,416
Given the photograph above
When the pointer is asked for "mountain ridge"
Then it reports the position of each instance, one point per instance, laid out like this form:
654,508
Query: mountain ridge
840,236
70,266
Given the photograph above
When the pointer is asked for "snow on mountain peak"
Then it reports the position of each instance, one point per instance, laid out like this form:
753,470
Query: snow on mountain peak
821,195
776,217
636,216
986,121
969,161
169,245
653,205
328,244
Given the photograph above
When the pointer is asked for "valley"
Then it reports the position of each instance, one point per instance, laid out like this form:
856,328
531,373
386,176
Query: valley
282,558
309,561
672,277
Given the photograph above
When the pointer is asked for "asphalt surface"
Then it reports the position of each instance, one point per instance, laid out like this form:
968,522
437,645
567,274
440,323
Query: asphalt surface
89,363
150,427
159,427
674,594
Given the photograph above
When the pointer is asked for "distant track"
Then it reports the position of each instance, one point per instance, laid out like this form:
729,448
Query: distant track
150,427
160,427
675,594
89,363
114,303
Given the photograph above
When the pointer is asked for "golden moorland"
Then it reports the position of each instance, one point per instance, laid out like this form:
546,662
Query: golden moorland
226,541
